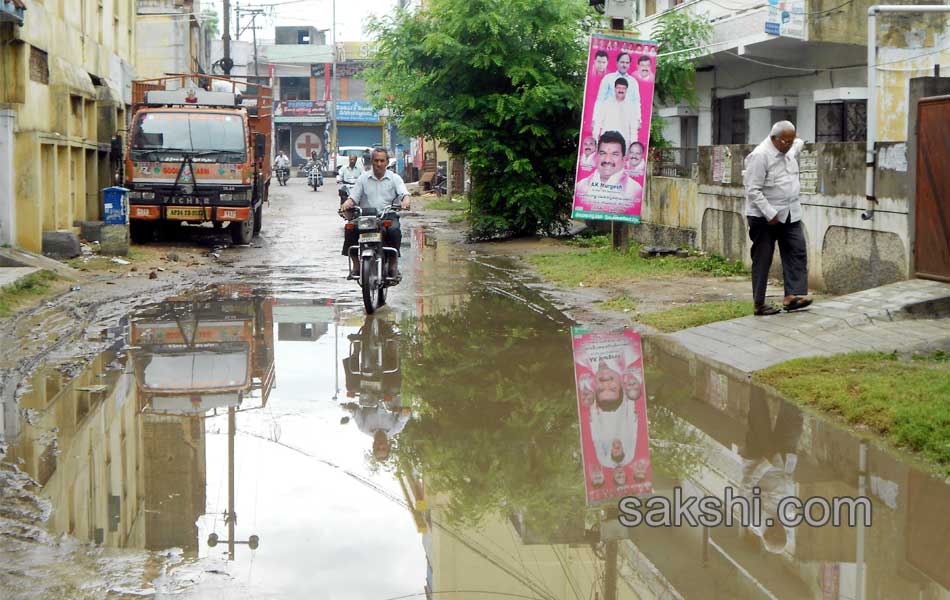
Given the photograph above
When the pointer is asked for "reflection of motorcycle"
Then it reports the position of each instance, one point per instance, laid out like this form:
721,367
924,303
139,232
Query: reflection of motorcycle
372,369
282,174
372,258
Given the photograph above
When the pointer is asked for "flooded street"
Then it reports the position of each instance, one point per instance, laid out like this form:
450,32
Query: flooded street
258,436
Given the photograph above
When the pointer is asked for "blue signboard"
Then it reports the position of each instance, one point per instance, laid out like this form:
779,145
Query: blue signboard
356,111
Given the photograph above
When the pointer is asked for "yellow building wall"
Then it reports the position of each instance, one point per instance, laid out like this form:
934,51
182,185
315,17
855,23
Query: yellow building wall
59,145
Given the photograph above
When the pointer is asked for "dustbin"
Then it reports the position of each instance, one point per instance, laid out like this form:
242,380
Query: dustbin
115,206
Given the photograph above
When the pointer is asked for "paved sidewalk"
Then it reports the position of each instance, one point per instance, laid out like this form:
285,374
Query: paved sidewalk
10,275
901,316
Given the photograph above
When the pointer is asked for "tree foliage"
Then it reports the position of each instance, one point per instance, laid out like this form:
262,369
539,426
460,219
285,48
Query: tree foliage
209,17
498,82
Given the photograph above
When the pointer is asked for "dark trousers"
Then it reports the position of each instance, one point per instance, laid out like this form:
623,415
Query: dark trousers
791,246
392,236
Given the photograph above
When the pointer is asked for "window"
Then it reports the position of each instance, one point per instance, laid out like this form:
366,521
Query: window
730,120
841,121
39,66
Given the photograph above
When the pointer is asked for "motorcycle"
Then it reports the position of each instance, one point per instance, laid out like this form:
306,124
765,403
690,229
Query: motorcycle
372,257
283,174
372,369
315,175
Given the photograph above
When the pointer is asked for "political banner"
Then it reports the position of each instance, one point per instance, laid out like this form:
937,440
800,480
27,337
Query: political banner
611,406
615,129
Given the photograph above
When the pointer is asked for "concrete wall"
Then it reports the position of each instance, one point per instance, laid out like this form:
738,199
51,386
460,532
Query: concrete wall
845,252
80,53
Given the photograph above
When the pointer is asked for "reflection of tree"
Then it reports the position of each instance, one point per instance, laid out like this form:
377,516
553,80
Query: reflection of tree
497,415
675,447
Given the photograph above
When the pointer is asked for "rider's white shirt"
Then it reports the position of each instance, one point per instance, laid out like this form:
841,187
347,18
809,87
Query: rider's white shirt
378,193
349,175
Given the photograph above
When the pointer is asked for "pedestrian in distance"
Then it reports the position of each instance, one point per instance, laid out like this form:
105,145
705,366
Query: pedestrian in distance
774,215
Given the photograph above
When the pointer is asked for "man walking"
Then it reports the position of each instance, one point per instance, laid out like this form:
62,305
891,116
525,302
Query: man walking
774,214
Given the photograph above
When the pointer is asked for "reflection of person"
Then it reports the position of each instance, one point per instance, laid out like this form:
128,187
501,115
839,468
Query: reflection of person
380,423
609,181
769,460
643,69
640,470
616,114
635,165
620,477
597,477
774,214
613,419
589,157
607,84
600,62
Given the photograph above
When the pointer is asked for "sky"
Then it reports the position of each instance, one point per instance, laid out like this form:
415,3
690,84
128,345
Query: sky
350,15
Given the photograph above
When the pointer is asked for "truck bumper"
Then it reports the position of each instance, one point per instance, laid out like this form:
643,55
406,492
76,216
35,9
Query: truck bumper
189,213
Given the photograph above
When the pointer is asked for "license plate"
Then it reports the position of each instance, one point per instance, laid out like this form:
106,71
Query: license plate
142,212
372,385
371,237
178,212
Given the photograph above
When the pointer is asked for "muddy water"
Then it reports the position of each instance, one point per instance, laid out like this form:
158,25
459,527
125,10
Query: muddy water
242,442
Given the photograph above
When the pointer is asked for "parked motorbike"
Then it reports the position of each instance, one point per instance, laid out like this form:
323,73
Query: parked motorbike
283,174
315,175
372,257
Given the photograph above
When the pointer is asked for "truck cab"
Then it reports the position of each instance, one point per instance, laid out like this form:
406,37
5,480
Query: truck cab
198,155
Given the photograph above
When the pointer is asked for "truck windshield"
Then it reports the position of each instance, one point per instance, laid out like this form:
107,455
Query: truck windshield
192,132
194,371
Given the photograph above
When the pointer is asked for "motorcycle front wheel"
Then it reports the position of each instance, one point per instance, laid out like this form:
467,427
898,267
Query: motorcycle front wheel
369,281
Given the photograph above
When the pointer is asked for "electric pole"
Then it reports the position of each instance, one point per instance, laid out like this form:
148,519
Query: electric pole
226,62
333,93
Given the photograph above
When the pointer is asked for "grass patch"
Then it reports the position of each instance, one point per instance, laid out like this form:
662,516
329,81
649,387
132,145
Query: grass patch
445,204
906,401
457,218
694,315
619,304
595,263
27,288
95,263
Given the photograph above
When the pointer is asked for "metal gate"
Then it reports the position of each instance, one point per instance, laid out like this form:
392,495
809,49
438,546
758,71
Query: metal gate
932,228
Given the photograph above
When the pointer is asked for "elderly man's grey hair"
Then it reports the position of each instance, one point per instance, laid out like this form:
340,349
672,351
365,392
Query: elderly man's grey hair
781,127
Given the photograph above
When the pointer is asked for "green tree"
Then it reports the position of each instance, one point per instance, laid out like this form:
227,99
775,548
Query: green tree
498,82
677,34
209,18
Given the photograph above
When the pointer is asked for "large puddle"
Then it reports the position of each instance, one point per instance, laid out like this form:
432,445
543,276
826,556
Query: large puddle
234,444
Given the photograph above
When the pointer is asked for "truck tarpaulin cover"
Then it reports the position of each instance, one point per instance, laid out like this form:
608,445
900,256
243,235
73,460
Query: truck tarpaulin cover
611,405
615,129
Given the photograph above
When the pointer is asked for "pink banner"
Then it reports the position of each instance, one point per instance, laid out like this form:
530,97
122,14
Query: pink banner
615,129
611,405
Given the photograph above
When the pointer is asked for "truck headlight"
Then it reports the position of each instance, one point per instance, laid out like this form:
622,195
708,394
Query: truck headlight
141,195
233,196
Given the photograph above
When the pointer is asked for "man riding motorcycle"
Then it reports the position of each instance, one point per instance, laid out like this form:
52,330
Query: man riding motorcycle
377,189
281,163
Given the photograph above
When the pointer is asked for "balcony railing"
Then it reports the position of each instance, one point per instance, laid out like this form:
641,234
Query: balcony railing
673,162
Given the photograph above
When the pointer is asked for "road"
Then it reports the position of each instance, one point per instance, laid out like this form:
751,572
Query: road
434,447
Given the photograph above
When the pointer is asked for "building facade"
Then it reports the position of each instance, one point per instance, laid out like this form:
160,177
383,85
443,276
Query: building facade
66,85
173,37
805,62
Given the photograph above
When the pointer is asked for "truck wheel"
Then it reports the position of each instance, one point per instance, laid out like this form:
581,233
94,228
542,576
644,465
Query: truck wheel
258,218
242,232
141,232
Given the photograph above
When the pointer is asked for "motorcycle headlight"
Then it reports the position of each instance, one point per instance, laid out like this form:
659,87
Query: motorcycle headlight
366,223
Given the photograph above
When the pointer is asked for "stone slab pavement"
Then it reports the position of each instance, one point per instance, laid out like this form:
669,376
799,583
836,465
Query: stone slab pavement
10,275
903,316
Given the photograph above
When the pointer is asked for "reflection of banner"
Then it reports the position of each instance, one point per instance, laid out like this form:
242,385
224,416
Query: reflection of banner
356,110
611,405
615,129
300,108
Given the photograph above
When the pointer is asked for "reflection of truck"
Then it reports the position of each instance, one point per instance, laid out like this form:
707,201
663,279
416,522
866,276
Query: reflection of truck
196,154
194,355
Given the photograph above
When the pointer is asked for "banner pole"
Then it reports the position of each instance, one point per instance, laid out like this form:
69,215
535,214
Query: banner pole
616,241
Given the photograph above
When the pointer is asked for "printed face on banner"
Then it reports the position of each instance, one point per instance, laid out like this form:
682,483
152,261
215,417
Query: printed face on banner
611,404
615,129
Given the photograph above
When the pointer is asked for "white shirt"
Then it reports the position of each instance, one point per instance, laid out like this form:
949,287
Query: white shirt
605,427
771,182
380,194
349,175
589,161
282,161
623,117
369,420
606,91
